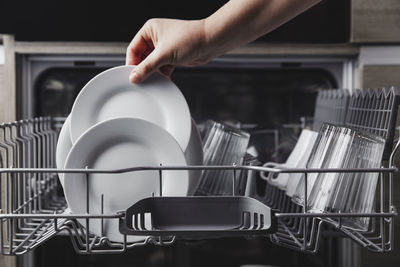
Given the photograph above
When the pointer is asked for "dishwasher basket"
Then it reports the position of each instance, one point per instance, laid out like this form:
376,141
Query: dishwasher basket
34,210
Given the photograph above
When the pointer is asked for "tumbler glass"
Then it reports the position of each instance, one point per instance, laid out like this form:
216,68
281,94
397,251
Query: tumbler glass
362,191
325,183
223,145
318,159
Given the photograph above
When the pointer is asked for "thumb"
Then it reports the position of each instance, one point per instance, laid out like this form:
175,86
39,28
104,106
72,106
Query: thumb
149,65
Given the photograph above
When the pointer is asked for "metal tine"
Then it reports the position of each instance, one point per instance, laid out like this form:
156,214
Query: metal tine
367,110
45,146
359,100
10,154
36,164
377,111
27,183
11,185
50,178
8,148
18,163
43,127
5,162
389,97
356,105
386,106
22,205
29,153
360,108
41,160
15,138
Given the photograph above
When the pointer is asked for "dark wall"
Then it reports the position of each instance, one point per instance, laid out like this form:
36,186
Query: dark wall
116,20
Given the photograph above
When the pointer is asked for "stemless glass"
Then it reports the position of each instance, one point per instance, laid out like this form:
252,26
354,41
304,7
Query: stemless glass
341,193
223,145
318,159
343,147
349,192
363,188
325,183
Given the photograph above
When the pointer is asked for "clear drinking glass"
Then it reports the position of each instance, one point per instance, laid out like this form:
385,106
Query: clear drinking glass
343,147
223,145
363,188
341,192
318,159
325,183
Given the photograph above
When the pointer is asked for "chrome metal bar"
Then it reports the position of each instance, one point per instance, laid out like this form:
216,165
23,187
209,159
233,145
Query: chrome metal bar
331,214
200,167
61,216
305,207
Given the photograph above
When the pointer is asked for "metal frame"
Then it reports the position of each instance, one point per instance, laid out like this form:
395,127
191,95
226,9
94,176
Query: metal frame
32,211
298,229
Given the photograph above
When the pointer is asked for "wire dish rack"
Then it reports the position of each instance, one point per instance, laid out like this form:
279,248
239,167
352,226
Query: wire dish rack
34,210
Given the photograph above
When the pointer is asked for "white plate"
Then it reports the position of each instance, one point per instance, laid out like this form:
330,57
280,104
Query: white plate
110,95
193,153
64,145
194,156
121,143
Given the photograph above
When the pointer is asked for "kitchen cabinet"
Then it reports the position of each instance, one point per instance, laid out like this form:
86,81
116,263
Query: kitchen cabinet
375,21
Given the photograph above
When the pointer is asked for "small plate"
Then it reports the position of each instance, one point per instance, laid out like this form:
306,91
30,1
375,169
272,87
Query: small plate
115,144
110,95
64,145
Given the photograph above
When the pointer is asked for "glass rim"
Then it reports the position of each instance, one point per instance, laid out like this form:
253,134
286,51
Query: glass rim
228,128
354,130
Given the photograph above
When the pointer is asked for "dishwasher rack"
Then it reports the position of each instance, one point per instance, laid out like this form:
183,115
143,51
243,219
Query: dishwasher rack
34,210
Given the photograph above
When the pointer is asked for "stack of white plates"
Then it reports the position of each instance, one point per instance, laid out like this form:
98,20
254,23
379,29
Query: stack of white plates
115,124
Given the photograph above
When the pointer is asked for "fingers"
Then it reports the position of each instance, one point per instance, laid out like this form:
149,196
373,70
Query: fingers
149,65
139,48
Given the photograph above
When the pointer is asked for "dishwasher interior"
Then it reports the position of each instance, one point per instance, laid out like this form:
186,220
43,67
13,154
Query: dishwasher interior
273,103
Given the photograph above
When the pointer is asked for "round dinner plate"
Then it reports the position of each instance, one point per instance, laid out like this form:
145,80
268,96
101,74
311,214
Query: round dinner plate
193,153
110,95
64,145
115,144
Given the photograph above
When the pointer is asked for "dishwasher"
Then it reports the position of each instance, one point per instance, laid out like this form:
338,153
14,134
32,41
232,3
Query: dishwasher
34,209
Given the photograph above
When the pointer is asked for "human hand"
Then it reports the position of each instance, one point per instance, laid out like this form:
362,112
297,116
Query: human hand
162,44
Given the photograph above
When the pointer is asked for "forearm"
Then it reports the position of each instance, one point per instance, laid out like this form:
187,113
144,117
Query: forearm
241,21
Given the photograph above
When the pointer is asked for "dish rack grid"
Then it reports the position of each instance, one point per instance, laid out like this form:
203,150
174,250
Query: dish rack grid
33,210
